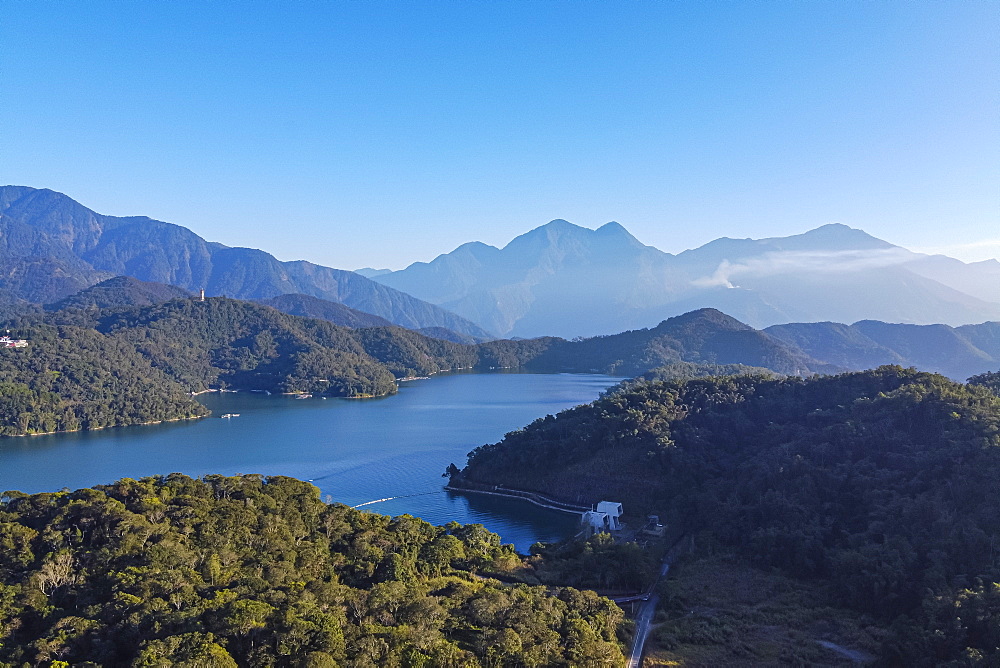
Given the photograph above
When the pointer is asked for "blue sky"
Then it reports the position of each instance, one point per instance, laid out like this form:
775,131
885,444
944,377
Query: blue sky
380,133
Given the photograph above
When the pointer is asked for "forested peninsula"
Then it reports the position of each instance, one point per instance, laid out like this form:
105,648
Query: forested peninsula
96,361
257,571
881,487
89,367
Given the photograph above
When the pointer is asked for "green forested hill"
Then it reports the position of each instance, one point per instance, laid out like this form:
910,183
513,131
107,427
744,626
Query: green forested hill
242,345
704,336
687,370
71,378
885,485
314,307
120,291
91,368
990,380
142,359
254,571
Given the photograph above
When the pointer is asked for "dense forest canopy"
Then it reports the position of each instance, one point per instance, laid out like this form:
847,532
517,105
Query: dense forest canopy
989,380
86,368
120,291
884,484
259,571
71,378
687,370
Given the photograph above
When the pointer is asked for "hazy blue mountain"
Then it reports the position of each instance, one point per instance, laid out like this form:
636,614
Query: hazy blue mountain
52,247
986,337
559,279
979,279
369,272
120,291
565,280
313,307
957,352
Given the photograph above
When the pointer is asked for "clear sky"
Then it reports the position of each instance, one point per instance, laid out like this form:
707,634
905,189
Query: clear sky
371,133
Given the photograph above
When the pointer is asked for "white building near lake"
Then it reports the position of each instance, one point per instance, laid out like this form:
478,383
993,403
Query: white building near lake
605,518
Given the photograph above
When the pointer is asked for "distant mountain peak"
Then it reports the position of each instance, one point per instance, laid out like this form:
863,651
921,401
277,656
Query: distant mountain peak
616,231
476,248
834,227
369,272
708,314
560,223
832,236
560,229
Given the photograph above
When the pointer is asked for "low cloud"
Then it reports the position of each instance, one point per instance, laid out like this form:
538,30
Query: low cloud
984,249
783,262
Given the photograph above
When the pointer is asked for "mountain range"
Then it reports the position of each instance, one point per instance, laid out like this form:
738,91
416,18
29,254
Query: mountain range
702,342
956,352
125,330
52,246
100,361
557,280
565,280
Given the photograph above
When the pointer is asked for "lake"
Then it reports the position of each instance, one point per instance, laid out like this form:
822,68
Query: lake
355,451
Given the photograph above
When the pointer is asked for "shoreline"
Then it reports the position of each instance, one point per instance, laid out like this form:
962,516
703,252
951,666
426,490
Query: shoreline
531,497
110,426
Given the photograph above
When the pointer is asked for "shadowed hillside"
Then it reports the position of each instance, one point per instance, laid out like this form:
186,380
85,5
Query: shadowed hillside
52,247
882,486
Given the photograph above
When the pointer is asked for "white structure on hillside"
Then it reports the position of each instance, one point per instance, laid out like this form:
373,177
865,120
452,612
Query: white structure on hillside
605,518
7,342
613,510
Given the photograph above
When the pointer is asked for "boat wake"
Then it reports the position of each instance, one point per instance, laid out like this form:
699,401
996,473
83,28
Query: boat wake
390,498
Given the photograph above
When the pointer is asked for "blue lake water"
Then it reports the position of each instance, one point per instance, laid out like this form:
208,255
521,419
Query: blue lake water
355,451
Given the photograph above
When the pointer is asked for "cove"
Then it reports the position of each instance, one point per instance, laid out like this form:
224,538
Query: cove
354,451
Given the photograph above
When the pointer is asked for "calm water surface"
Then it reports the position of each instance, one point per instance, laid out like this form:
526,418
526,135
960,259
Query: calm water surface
353,450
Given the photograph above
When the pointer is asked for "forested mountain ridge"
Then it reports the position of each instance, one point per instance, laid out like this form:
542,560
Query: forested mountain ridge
957,352
990,381
704,336
118,292
52,247
70,378
91,368
565,280
223,342
169,349
228,334
256,571
324,309
883,485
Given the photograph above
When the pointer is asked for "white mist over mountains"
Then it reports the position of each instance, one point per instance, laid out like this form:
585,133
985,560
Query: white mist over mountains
783,262
565,280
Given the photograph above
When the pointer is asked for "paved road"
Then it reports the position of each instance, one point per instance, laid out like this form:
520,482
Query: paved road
644,621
